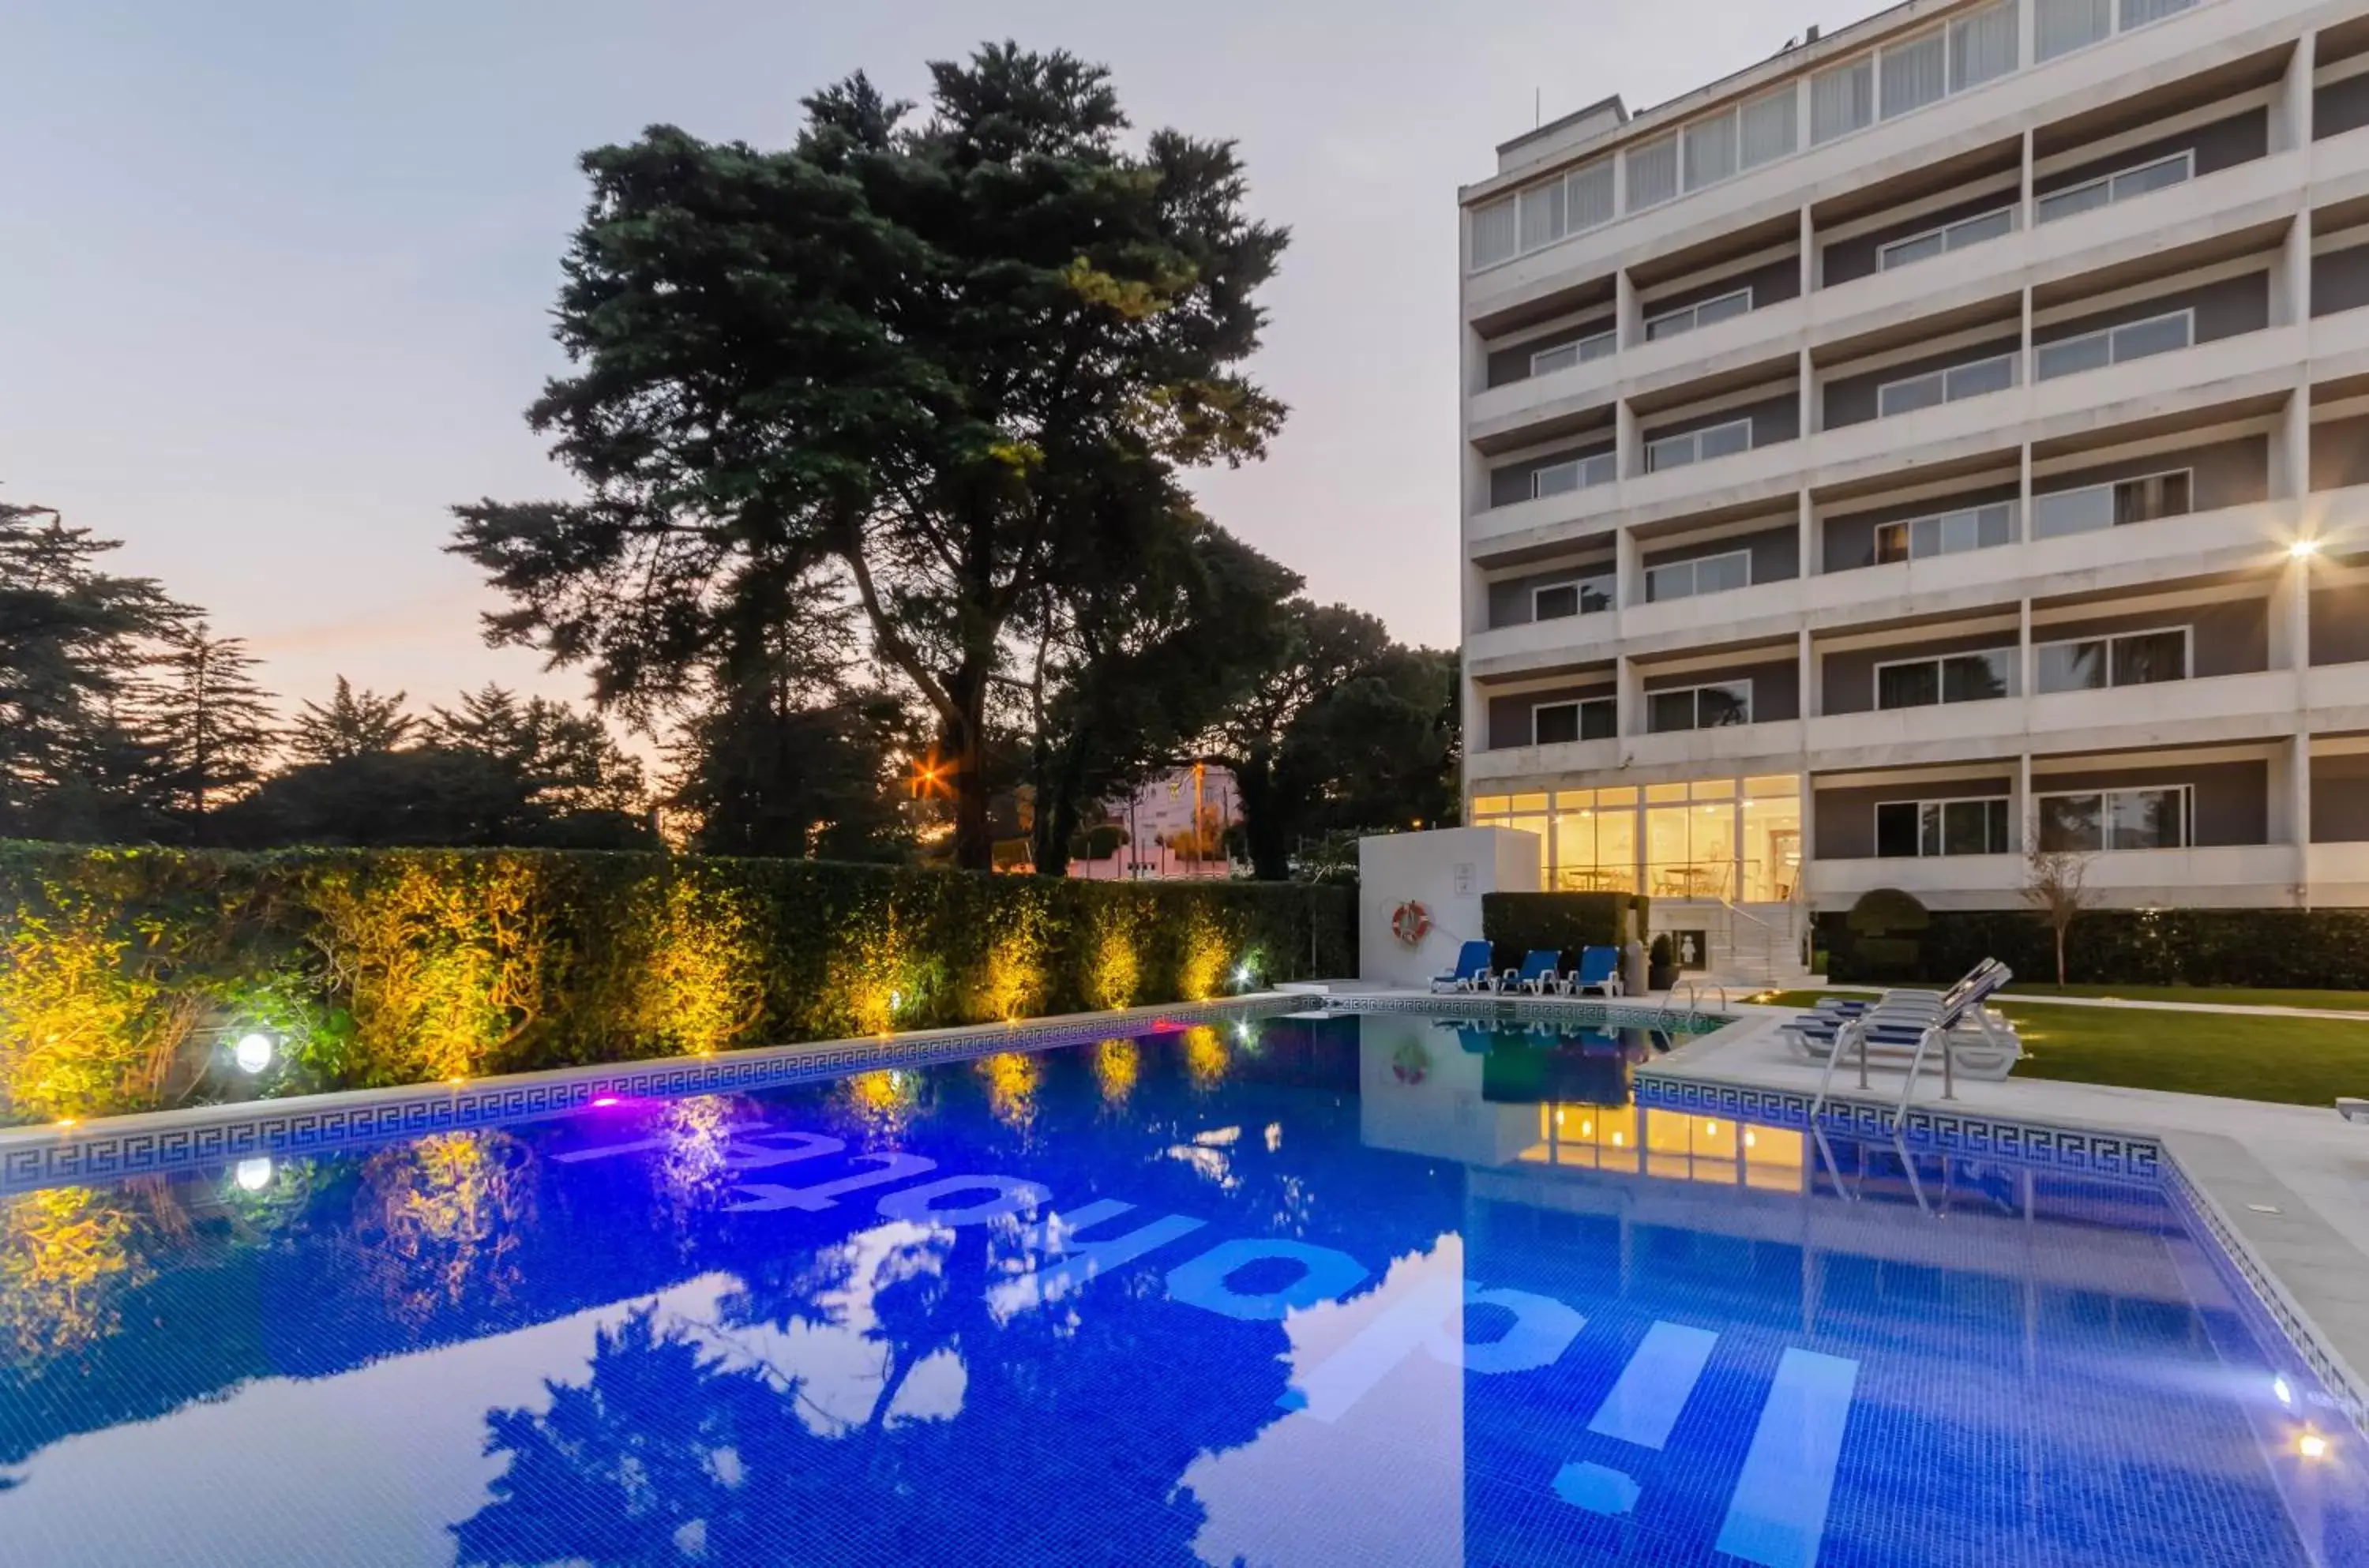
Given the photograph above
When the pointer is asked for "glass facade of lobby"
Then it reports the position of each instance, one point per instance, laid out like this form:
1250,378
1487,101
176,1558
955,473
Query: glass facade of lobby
1735,838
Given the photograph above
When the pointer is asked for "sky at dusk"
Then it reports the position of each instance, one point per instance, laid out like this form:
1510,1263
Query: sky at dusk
275,284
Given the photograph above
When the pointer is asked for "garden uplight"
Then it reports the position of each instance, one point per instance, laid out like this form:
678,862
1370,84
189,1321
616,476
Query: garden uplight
253,1052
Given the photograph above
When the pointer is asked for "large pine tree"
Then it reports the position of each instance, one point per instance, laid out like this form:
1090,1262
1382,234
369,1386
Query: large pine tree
943,357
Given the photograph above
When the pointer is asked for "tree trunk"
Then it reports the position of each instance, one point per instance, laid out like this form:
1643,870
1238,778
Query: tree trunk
2060,955
974,836
1266,832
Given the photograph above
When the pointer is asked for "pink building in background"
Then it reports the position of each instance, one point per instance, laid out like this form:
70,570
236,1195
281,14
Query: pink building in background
1159,819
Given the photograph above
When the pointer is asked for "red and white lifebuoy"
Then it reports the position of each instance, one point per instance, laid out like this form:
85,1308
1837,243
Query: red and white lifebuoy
1410,922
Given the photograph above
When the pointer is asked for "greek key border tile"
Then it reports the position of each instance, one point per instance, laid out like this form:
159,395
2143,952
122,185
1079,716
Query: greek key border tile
2257,1287
1583,1011
214,1135
2086,1150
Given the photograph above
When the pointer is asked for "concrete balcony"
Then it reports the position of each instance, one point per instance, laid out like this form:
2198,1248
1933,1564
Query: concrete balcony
1725,747
1483,768
2224,875
2336,696
2169,51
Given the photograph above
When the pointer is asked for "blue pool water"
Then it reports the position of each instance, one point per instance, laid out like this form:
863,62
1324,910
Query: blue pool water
1311,1291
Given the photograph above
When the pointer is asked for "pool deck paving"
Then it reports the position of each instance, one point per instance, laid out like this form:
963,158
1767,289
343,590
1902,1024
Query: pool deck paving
2292,1181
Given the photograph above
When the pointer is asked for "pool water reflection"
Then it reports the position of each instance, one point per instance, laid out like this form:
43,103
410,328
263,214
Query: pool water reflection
1317,1291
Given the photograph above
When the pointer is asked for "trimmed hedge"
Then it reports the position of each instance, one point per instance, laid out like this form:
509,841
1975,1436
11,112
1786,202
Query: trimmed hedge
126,973
1516,923
2289,948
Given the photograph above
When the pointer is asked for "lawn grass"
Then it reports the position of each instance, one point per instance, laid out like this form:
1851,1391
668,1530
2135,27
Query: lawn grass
2298,1061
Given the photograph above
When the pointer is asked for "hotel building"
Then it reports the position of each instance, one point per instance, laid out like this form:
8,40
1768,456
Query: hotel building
1949,435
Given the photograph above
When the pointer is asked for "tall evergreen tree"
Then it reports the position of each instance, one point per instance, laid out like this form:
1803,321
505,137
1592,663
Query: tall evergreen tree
567,760
75,639
353,725
213,726
932,353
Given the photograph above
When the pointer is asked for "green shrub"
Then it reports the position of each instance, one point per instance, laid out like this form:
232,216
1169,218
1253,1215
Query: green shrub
121,971
1516,923
1888,911
2275,948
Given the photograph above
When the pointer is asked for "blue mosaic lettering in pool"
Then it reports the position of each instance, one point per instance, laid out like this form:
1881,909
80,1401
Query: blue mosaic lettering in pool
1381,1290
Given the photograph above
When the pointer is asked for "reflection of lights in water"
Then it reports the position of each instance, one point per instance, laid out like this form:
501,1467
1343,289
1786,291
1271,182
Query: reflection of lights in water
1588,1129
2284,1393
253,1052
1242,1031
1616,1140
2312,1445
1117,1063
605,1099
1558,1116
1750,1140
253,1175
1711,1130
1274,1137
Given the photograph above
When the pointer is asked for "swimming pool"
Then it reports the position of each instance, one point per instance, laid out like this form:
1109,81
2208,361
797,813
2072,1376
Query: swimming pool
1389,1289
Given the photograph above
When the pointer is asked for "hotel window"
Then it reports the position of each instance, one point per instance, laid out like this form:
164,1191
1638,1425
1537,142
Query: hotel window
1686,318
1948,238
1912,73
1946,677
1904,829
1562,356
2115,345
1945,533
1993,375
1652,172
1495,232
1708,150
1583,595
1697,446
1842,100
2095,507
1541,214
1982,46
1574,473
1553,724
2060,27
1704,574
1710,707
2139,13
2108,188
2118,820
2096,664
1768,126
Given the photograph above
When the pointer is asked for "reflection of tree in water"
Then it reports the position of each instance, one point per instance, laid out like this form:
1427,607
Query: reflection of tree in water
1010,1078
67,1257
443,1219
1206,1056
1117,1064
698,1131
881,1106
720,1444
640,1463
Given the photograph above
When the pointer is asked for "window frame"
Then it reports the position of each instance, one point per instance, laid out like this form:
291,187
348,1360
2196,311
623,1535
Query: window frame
1695,436
2109,486
1579,706
1579,465
1908,527
2104,797
2040,204
1579,586
2186,313
1695,310
1942,231
1942,803
1745,681
1577,348
1693,563
2187,660
1941,698
1943,373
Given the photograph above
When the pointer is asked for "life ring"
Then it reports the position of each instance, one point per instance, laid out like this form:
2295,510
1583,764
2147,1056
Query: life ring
1411,923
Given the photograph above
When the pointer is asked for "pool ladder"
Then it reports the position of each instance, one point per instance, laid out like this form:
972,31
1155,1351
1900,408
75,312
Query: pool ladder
1667,1015
1856,1031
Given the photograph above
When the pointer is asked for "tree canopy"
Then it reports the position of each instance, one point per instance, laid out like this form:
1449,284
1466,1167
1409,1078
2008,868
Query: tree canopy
943,359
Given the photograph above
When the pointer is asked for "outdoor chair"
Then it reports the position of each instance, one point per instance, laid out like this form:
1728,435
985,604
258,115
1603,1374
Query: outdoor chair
1540,974
1598,970
1471,971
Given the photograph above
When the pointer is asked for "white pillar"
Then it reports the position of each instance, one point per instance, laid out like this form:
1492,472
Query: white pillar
2026,199
2290,105
1813,548
2025,811
1810,269
1628,451
1630,713
2023,529
1629,568
1626,319
1805,381
1811,678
